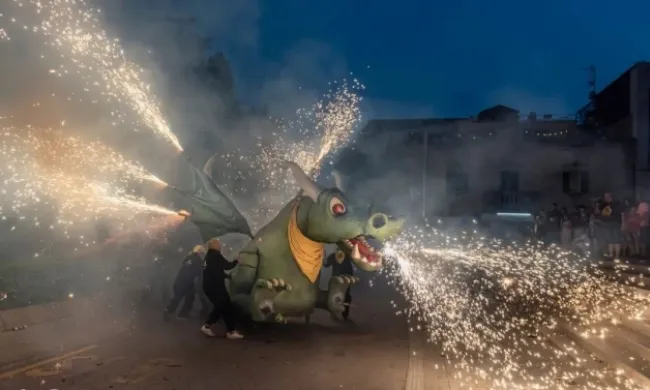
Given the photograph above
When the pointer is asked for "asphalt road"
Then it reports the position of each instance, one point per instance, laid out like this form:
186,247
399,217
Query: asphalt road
130,347
142,352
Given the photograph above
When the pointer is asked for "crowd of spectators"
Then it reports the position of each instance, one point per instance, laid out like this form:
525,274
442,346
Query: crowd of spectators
608,228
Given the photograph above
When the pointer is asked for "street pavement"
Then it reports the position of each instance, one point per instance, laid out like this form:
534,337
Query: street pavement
128,346
135,349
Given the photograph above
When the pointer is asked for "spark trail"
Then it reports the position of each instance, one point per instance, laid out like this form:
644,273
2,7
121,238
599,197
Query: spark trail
82,180
489,306
75,31
317,133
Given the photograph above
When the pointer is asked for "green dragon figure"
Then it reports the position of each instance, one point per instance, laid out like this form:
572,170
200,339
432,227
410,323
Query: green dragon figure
278,272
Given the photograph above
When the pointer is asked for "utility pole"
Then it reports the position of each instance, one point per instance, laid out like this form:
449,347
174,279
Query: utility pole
425,134
592,82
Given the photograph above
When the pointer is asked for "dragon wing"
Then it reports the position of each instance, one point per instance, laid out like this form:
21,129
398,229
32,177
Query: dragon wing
210,209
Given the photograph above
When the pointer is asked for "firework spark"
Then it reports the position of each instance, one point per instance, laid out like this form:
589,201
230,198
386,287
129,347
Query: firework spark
486,301
84,181
315,135
74,30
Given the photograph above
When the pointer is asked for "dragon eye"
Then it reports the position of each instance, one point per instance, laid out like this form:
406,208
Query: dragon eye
337,207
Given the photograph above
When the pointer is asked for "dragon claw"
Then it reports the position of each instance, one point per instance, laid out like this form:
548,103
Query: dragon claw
264,284
273,284
346,279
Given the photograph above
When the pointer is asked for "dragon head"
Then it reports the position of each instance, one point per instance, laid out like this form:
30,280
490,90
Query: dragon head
333,218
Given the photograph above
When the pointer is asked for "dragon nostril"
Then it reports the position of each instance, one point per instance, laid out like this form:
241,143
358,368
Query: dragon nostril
378,221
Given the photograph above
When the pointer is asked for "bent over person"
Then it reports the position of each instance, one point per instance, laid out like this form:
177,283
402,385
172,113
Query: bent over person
214,286
184,283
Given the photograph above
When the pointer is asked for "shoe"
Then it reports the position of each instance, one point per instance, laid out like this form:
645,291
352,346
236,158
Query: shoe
207,331
182,318
234,335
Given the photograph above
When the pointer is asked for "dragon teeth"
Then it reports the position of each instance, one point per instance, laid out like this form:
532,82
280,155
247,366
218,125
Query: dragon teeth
355,252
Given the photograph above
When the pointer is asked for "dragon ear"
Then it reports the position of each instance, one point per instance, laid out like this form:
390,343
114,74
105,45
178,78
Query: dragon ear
207,168
338,180
308,186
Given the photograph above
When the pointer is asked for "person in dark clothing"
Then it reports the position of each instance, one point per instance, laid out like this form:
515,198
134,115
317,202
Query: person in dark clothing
608,224
214,286
184,288
553,226
342,265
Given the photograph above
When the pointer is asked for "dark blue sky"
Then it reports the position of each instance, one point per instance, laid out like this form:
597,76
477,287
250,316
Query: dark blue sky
451,58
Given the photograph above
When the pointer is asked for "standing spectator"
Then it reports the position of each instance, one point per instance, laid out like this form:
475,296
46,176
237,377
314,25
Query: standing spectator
540,225
553,225
566,228
581,232
643,212
631,228
608,225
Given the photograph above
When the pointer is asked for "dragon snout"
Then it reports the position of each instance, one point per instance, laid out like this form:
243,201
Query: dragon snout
379,220
383,227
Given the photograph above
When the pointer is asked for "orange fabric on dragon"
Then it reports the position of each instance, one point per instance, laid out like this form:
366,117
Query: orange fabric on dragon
308,253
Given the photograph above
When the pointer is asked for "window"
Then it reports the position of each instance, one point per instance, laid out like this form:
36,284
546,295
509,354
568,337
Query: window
457,182
509,181
575,182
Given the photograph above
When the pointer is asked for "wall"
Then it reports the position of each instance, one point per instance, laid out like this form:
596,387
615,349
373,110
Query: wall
540,164
640,111
540,169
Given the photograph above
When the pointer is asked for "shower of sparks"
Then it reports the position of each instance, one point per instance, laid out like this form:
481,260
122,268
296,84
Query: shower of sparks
310,140
74,30
83,181
491,306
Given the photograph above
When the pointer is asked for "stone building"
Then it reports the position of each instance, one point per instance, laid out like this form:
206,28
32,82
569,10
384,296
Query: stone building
496,161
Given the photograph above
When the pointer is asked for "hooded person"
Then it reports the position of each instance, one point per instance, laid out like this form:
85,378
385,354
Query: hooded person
214,286
184,284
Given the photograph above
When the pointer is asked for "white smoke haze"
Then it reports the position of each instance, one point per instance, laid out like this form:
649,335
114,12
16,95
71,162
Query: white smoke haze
173,41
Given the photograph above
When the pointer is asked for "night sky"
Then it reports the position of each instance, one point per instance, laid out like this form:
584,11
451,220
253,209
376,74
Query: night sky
451,58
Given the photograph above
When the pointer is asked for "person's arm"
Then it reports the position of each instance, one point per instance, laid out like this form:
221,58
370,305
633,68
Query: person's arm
227,265
329,260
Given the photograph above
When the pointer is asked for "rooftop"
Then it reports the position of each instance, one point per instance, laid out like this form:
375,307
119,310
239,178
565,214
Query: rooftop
495,114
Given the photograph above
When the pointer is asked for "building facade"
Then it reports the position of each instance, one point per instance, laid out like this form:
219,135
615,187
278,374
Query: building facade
496,161
621,111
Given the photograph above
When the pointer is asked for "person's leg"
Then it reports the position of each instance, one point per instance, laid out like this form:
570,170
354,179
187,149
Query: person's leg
230,318
347,301
625,244
213,317
189,302
176,299
617,240
206,305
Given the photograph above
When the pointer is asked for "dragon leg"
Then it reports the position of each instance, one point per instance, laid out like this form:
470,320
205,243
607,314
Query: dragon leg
334,301
261,303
